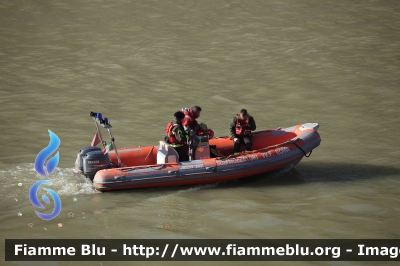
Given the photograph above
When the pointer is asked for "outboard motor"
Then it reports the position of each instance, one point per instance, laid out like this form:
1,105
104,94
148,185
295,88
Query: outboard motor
82,153
91,159
94,161
202,147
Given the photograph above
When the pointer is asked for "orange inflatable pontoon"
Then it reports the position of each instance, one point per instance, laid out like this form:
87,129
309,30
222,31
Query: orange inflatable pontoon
156,166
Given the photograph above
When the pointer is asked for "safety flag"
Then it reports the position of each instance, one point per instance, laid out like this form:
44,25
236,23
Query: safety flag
96,140
108,148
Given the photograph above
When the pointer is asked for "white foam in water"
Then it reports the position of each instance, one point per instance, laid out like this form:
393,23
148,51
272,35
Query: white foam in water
65,181
285,169
281,172
71,182
212,185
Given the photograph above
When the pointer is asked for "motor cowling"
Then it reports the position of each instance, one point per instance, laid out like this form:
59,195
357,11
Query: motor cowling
81,154
94,161
202,147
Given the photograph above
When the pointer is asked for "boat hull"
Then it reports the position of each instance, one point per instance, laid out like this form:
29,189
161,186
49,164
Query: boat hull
274,149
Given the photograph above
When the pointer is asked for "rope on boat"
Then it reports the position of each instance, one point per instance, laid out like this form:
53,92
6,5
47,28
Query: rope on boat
305,154
147,156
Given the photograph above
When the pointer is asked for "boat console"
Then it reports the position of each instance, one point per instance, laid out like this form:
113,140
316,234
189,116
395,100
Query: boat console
166,154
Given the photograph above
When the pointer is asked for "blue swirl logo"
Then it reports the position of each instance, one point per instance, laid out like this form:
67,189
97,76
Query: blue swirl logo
35,201
39,167
45,153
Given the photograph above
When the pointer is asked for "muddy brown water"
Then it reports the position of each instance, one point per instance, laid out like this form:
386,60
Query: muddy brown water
287,62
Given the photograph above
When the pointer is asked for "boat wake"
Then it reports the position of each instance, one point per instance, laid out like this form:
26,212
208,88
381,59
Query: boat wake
65,181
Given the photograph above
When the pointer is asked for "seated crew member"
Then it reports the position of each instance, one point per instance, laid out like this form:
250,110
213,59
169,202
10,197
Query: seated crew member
176,136
189,122
240,130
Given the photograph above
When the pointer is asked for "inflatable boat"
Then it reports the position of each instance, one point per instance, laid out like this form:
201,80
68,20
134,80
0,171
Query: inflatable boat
156,166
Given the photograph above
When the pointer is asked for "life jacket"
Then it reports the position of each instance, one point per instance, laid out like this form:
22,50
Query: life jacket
171,136
185,110
189,120
242,127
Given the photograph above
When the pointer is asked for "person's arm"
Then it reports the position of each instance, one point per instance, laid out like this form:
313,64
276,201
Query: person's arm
232,128
195,126
186,123
252,123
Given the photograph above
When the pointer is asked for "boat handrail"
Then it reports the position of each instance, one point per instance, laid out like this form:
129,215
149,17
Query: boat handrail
260,150
152,166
